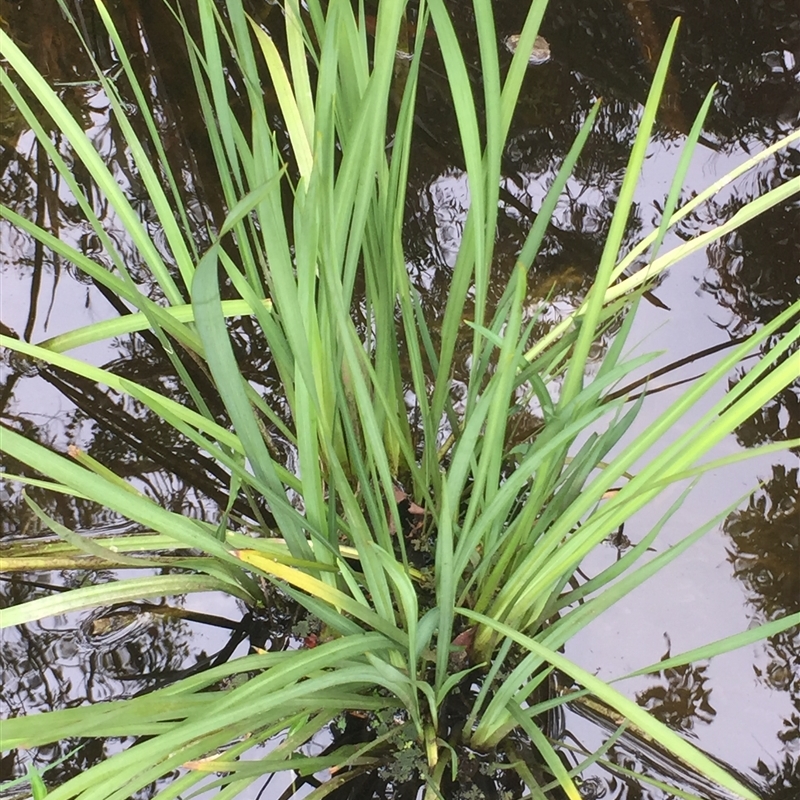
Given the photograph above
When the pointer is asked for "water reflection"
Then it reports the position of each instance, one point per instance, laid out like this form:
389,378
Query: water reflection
117,653
60,663
754,274
597,49
680,698
765,555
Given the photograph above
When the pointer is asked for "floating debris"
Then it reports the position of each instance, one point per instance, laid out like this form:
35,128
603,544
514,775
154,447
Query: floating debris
540,53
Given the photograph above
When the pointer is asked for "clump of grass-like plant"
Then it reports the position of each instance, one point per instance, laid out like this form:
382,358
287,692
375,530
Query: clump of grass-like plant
509,522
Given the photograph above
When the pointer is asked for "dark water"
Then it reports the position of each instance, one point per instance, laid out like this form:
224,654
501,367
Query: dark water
743,707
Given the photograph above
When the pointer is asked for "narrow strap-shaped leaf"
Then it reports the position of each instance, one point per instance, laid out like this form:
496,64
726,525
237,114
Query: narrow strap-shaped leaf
107,594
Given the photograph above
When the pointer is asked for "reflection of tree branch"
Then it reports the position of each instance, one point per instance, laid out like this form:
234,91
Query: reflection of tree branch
191,466
671,367
783,781
191,362
651,756
42,175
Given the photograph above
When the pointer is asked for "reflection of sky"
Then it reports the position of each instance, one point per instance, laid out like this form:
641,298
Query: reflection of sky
63,303
76,304
695,600
447,198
